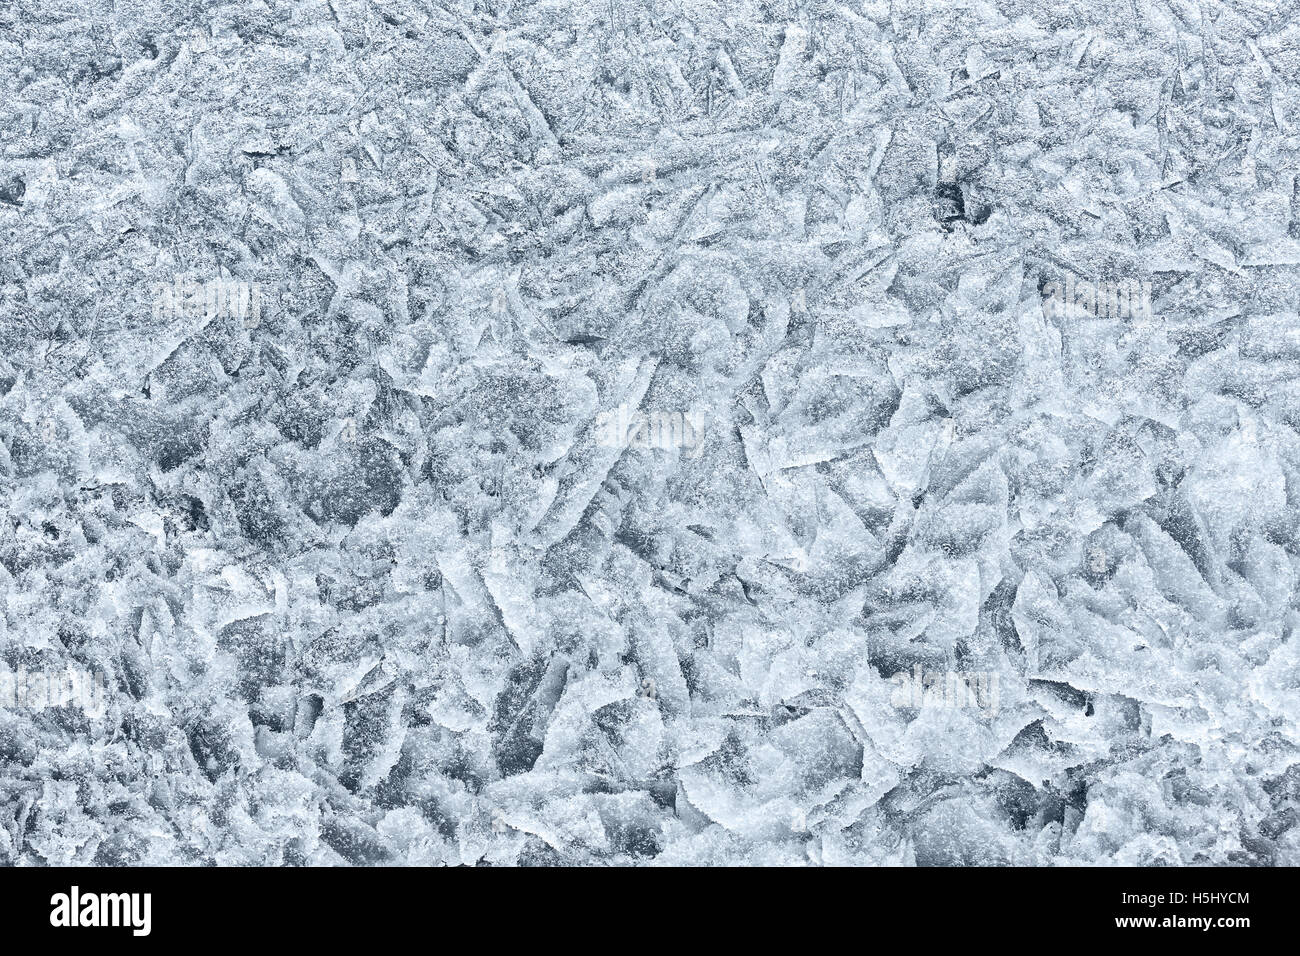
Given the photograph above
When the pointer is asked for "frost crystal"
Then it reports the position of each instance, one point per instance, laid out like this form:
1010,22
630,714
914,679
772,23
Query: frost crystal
624,432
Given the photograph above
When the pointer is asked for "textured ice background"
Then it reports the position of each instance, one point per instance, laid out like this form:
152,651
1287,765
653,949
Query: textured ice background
368,587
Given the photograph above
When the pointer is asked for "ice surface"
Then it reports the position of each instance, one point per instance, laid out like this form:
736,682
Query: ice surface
640,433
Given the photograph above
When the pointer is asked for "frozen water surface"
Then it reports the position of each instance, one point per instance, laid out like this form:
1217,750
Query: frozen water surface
649,433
